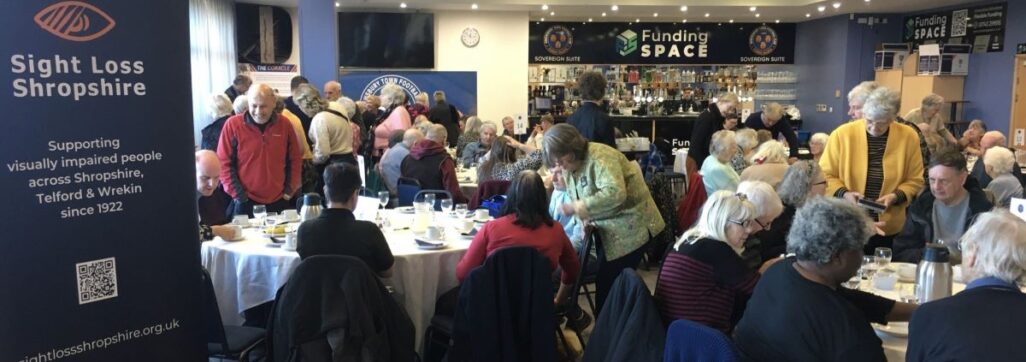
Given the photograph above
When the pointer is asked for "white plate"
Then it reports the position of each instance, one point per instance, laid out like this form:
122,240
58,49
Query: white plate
894,266
432,247
405,210
482,221
896,329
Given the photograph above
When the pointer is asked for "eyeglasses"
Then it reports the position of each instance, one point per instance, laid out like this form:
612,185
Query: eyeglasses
761,225
744,224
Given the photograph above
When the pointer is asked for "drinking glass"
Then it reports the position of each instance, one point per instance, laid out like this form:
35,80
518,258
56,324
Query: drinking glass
882,256
383,198
429,199
270,219
461,210
446,205
260,213
868,267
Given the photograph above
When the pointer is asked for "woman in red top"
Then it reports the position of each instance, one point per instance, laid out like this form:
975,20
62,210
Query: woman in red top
525,221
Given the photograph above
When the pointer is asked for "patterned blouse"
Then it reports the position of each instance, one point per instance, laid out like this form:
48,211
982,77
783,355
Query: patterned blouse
506,171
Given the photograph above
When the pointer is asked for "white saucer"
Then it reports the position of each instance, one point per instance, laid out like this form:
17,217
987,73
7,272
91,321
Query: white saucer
896,329
405,210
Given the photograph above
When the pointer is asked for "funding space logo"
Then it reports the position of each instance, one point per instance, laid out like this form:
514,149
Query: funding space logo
763,41
75,21
627,42
558,40
373,88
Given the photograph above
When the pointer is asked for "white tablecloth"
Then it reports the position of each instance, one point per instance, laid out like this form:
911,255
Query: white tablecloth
248,273
895,347
468,181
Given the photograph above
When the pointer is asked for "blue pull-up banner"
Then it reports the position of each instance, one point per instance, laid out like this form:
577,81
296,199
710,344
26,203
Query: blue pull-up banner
100,257
460,87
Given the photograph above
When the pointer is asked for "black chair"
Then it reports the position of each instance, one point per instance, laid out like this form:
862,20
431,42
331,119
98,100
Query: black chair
407,188
583,279
232,342
592,241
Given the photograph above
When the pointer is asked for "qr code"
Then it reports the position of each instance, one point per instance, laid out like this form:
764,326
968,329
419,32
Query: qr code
97,280
958,22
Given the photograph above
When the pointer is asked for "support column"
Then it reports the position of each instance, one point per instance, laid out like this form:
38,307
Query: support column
318,41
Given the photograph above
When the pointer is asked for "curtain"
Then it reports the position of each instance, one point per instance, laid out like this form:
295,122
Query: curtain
214,60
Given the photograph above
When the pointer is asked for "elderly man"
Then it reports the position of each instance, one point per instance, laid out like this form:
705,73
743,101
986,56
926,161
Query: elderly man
260,156
475,151
590,119
773,119
799,310
445,114
332,91
987,320
929,113
989,140
429,163
208,169
391,162
857,98
507,129
942,213
239,87
290,102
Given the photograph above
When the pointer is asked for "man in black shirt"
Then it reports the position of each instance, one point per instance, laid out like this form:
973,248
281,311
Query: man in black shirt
337,232
590,119
773,119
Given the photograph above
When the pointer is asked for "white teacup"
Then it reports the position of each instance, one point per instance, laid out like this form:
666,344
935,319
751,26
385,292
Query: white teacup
290,215
433,233
291,241
885,280
956,273
241,220
465,225
481,214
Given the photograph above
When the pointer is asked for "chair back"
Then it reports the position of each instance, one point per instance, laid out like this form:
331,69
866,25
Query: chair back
487,189
212,314
407,188
690,341
438,200
690,206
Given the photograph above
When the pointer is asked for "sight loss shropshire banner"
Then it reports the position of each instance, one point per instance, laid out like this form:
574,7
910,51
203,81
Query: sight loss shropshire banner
101,252
661,43
460,87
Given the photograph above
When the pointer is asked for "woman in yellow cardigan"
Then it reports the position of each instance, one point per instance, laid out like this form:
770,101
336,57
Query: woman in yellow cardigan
876,159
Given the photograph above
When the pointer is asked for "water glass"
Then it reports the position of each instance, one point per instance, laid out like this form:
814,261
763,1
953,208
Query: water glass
868,267
882,256
383,197
462,210
271,219
429,199
259,213
446,205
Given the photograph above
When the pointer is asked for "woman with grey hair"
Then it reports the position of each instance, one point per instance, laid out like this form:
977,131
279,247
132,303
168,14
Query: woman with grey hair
802,181
220,108
817,143
608,191
858,152
800,311
857,99
747,140
998,163
929,112
768,164
241,104
396,117
987,320
591,119
474,152
717,174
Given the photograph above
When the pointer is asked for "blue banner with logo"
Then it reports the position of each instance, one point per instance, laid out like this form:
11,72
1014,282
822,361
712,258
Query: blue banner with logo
661,43
101,252
982,26
460,87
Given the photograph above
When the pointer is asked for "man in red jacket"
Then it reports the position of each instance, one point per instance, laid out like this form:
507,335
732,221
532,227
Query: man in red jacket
260,156
430,164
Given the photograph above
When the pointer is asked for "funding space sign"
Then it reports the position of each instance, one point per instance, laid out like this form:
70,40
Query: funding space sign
982,26
460,87
101,251
661,43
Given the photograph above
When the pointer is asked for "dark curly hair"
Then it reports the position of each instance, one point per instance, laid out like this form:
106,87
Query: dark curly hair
592,86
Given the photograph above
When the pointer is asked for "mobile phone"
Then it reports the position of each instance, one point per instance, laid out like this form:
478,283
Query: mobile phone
872,205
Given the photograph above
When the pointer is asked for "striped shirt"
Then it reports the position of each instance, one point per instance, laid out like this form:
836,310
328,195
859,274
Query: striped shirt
875,172
705,282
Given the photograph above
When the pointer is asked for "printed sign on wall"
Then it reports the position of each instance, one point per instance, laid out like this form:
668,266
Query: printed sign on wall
101,258
661,43
460,87
981,26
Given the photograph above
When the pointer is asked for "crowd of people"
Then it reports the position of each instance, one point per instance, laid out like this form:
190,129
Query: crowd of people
764,263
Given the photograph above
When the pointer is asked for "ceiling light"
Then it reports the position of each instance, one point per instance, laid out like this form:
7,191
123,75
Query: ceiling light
637,20
603,14
685,21
752,9
543,19
821,8
402,5
655,15
777,21
707,15
614,8
837,5
589,20
731,21
473,6
757,15
545,6
337,4
867,1
552,13
684,8
808,15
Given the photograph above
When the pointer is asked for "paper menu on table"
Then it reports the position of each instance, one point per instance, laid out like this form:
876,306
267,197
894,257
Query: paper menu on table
1018,207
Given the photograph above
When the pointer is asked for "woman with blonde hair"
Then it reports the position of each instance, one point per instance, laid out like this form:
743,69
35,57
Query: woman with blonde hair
768,164
470,133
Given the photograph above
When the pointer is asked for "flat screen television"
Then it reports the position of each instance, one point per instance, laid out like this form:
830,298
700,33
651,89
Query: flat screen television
386,40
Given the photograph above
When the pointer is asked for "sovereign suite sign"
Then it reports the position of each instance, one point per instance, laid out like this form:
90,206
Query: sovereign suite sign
661,43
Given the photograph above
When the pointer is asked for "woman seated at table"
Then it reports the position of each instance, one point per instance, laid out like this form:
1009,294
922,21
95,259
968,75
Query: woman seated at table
525,221
800,311
817,143
717,174
998,163
970,141
502,163
703,278
802,181
767,209
768,164
986,321
747,140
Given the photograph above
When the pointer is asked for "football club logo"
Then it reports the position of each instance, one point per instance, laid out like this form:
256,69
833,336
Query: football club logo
627,42
763,41
75,21
373,88
558,40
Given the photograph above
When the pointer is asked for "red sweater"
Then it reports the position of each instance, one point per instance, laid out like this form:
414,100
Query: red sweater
259,165
550,241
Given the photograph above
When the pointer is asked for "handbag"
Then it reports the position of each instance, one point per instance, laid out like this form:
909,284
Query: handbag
494,205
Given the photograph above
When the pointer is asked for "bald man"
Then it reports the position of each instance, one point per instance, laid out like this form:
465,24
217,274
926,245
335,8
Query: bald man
990,140
393,158
332,91
208,169
261,158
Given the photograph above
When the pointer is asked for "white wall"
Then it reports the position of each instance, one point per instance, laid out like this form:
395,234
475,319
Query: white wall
500,59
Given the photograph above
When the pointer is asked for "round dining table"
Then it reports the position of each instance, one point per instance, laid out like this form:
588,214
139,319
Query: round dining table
249,272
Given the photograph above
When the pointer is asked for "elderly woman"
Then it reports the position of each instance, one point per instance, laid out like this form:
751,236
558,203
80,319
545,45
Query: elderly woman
717,174
802,181
608,191
767,209
220,109
420,106
800,311
857,154
706,262
502,164
470,134
929,113
709,122
987,320
768,164
970,141
817,143
396,116
241,104
998,162
857,99
746,140
474,152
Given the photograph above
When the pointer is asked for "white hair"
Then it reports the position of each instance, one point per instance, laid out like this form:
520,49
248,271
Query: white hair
241,104
722,208
860,92
746,138
436,132
220,105
932,101
347,105
721,142
489,124
1000,159
394,93
882,104
998,241
820,138
771,152
762,195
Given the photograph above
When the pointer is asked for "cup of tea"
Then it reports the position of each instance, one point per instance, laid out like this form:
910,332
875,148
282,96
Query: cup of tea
241,220
433,233
465,225
885,280
290,215
291,241
481,214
